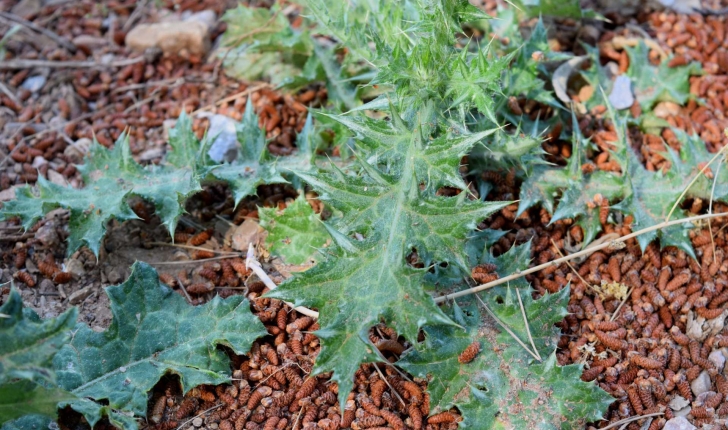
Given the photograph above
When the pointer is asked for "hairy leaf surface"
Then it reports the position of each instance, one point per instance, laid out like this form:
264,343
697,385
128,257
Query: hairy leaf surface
154,332
366,279
27,343
505,386
662,83
647,196
28,398
294,233
28,422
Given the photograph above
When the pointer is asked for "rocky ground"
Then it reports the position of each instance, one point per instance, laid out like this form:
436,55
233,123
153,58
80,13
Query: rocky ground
84,69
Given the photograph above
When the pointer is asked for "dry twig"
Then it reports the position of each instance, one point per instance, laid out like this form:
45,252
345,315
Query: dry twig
18,64
44,31
522,273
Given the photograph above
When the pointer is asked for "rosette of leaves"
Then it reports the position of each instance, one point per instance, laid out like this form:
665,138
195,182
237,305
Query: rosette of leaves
506,386
384,216
388,208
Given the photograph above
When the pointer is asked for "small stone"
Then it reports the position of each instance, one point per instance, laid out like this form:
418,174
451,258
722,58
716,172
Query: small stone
621,96
665,109
701,384
197,422
78,150
678,423
56,178
106,59
717,358
80,295
683,6
678,402
74,267
724,351
47,235
171,37
704,396
207,17
245,234
34,83
225,146
39,161
114,276
46,285
694,328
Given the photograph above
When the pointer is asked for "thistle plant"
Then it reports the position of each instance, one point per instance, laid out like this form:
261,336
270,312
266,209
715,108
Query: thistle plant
388,207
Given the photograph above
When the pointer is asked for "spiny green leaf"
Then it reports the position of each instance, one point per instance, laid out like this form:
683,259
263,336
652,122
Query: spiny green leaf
436,164
688,163
187,150
504,386
648,199
295,233
560,8
391,215
28,398
662,83
647,196
111,177
28,422
476,81
525,77
154,332
254,166
27,343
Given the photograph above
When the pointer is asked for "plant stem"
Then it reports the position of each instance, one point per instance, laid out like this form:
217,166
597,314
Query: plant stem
520,274
254,265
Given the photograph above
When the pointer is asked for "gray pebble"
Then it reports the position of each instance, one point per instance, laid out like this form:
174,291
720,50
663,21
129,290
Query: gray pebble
701,384
717,358
678,423
621,96
34,83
